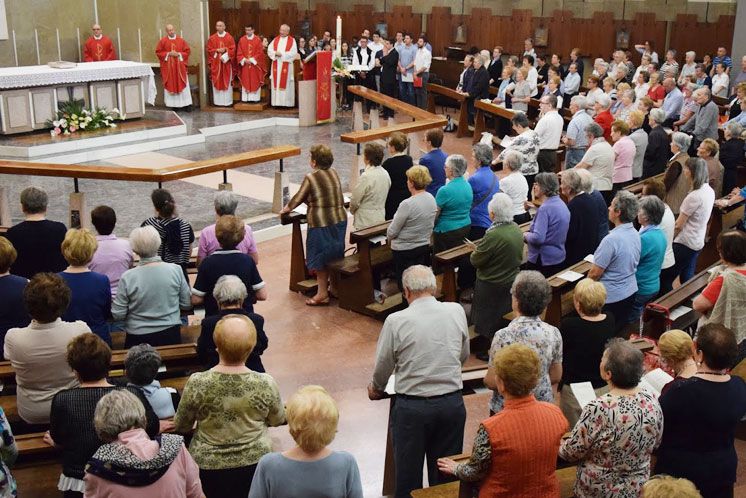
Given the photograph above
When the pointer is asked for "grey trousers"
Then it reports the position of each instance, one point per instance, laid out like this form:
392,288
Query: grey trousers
425,428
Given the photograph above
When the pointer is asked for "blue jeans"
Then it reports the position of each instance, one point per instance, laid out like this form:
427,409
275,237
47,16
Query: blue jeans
406,92
573,157
686,261
639,304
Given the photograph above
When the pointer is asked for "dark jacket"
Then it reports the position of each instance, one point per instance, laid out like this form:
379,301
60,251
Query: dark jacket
582,234
208,354
389,63
495,69
397,167
479,85
657,153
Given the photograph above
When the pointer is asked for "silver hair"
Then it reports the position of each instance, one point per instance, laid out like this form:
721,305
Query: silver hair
735,129
141,364
34,200
705,91
548,183
626,203
691,53
532,292
145,241
681,140
604,101
482,153
117,412
604,64
419,278
595,130
571,179
226,202
513,160
624,362
580,101
229,289
698,169
586,179
457,163
658,115
501,207
652,209
629,93
622,67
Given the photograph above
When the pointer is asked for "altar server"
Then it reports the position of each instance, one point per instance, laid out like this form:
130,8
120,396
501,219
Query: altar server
252,65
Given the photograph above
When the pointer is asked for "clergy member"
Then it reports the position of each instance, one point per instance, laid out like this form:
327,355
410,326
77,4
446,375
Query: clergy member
253,65
282,51
173,54
221,49
98,47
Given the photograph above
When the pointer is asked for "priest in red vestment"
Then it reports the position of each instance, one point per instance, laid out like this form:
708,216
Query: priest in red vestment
282,51
252,65
173,54
98,47
221,49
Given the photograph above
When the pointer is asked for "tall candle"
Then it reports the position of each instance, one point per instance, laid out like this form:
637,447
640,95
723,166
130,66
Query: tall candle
338,50
119,43
59,50
15,48
80,56
139,43
36,37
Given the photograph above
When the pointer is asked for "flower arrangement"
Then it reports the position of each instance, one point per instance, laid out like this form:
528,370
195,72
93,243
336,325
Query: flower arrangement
72,117
340,71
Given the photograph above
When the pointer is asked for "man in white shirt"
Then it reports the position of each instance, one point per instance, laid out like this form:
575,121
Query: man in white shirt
528,49
363,57
549,129
422,61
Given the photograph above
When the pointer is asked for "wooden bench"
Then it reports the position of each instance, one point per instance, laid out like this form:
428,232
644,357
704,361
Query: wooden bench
636,188
482,110
300,277
434,90
721,220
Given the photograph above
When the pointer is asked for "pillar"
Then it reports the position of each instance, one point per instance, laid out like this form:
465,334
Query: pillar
5,219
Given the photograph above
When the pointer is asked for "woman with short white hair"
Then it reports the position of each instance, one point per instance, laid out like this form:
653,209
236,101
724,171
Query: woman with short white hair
515,185
677,186
150,296
454,200
310,468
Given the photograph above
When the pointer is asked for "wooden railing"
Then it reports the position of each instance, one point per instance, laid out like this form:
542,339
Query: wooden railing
434,90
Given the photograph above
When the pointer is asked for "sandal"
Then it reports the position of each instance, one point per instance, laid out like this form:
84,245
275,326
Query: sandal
313,302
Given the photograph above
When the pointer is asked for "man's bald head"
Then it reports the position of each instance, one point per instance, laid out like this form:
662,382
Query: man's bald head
284,30
170,31
220,26
96,28
669,84
235,338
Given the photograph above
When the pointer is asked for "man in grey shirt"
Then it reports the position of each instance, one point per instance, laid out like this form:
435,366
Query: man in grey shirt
704,123
425,345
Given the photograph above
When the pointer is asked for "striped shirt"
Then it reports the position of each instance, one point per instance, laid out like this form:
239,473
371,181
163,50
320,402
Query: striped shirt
322,192
176,251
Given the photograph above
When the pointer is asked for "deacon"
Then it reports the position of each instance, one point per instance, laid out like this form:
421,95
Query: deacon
282,51
253,65
98,47
173,54
221,49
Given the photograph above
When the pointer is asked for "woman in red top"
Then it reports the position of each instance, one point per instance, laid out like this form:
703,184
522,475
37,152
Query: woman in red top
656,91
732,248
515,450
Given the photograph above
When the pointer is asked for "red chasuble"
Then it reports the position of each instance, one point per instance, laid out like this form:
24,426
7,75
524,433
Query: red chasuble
220,72
250,75
173,70
283,67
99,50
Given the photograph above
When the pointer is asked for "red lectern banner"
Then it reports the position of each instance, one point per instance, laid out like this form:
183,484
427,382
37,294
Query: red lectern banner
323,86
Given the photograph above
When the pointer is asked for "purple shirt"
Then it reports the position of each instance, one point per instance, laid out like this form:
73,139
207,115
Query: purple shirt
208,242
548,232
112,258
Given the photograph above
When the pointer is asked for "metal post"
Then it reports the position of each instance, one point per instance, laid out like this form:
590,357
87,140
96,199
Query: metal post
75,181
160,185
282,164
225,176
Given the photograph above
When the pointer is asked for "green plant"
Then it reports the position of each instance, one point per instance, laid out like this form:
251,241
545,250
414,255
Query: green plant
72,117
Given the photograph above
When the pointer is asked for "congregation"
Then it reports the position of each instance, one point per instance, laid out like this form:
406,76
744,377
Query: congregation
63,293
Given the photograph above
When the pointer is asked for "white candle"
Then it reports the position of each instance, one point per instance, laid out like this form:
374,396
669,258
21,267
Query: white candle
15,48
119,43
59,50
36,37
338,50
139,43
80,56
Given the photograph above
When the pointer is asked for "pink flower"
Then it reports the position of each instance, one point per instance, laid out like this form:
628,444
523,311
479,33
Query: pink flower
57,131
73,129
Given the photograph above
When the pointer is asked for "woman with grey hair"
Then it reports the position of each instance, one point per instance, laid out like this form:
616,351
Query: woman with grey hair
130,464
548,232
141,366
616,259
626,104
526,142
599,203
226,203
599,160
454,200
731,152
530,296
653,244
36,239
582,233
691,224
677,186
515,185
150,296
497,258
656,153
230,293
628,419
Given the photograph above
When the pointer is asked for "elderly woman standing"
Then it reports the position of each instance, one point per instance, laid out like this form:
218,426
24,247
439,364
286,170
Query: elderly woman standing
412,226
497,258
233,408
677,353
12,312
521,94
528,431
676,183
616,259
626,105
708,151
150,296
617,432
640,139
515,185
526,142
176,234
37,352
624,155
731,153
90,299
368,199
701,416
653,245
321,191
582,233
454,201
530,296
691,224
310,468
548,232
656,154
396,166
116,469
225,203
599,160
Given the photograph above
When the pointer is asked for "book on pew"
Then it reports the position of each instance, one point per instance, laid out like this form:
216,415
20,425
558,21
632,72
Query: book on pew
571,276
652,382
589,258
678,312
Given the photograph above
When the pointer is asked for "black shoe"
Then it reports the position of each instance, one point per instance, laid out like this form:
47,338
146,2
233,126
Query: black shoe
483,355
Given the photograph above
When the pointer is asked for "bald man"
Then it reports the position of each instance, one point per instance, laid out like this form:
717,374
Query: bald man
221,50
173,54
98,47
281,52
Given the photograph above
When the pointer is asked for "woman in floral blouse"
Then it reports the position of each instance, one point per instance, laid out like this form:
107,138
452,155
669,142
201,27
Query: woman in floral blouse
617,432
8,455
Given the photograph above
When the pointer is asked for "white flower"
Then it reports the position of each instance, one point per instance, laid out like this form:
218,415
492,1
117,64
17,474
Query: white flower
56,123
115,111
83,125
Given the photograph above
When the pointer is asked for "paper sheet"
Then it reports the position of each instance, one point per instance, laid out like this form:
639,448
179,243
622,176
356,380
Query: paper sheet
571,276
679,312
389,389
589,258
656,379
301,209
378,239
583,392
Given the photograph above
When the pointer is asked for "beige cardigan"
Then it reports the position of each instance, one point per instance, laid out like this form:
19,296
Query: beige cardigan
368,200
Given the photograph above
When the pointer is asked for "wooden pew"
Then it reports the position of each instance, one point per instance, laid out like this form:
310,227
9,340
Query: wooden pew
300,277
463,114
721,220
656,320
484,108
636,188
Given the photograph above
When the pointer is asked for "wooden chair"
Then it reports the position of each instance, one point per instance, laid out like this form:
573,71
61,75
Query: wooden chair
193,70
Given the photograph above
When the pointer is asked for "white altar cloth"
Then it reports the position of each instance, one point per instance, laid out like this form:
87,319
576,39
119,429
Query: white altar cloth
84,72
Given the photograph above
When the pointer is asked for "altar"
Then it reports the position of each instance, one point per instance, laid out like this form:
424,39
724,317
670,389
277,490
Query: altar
29,95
